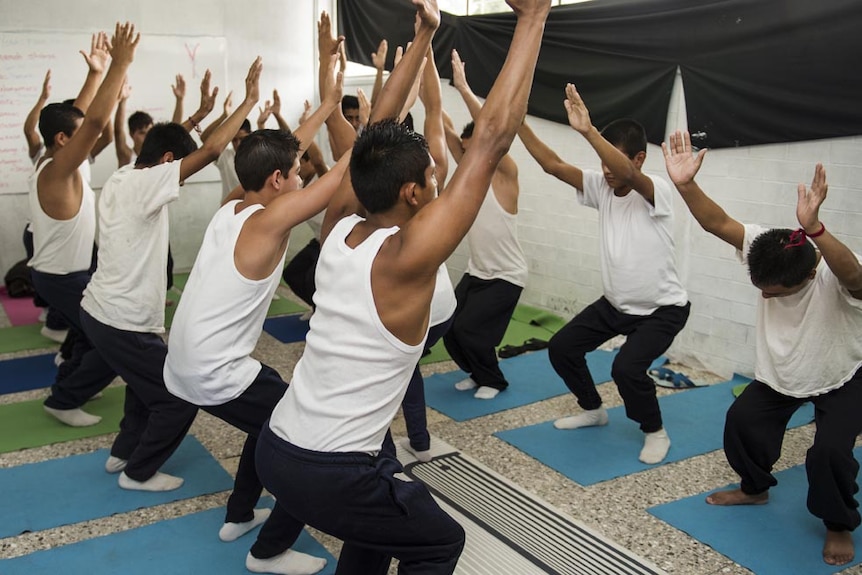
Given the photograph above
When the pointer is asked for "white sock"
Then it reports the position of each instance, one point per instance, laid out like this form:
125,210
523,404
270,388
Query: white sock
73,417
589,418
466,384
158,482
58,359
233,531
423,456
58,335
655,448
288,563
115,464
485,392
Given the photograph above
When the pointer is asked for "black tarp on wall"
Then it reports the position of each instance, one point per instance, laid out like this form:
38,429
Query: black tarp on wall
754,71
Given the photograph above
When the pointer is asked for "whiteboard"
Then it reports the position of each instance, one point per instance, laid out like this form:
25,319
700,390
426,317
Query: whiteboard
26,56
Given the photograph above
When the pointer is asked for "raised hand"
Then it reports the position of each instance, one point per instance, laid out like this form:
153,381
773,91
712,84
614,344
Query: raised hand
333,82
276,104
378,58
364,107
265,113
126,89
681,164
810,199
97,59
208,96
459,75
327,44
46,86
579,116
179,87
305,113
428,13
228,103
124,43
252,81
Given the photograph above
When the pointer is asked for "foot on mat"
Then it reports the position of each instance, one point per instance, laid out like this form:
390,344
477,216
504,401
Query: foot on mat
233,531
158,482
466,384
486,392
655,447
838,548
115,464
737,497
589,418
73,417
57,335
423,455
288,563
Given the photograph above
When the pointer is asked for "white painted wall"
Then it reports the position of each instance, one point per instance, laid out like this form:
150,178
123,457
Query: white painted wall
755,184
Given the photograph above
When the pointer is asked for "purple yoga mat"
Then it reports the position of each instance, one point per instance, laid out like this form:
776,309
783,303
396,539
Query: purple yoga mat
19,310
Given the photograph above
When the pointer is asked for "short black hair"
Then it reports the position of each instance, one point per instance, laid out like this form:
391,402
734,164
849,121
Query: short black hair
386,156
138,121
771,261
163,138
467,132
408,121
261,153
349,102
58,118
246,125
628,135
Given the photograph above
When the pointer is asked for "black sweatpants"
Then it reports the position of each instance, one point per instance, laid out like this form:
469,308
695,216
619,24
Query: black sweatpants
85,373
249,412
647,337
154,421
478,326
754,430
356,498
298,274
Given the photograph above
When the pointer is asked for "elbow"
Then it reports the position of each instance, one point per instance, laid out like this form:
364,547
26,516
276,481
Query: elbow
211,151
493,136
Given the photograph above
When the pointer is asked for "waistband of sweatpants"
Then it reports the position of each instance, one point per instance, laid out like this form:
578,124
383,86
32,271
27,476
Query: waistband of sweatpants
318,457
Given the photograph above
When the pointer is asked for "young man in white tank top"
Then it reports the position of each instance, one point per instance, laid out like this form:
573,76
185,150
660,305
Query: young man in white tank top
63,211
214,331
643,296
497,270
809,320
322,453
123,311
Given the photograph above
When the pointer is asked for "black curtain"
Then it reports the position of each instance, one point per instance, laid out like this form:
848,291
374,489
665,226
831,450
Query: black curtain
754,71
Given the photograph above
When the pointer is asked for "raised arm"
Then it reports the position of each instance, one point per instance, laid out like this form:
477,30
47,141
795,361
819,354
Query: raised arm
620,165
432,98
97,61
216,142
331,100
276,111
453,140
226,108
179,90
549,160
31,123
121,144
378,58
414,89
105,139
843,262
682,166
341,133
208,98
448,218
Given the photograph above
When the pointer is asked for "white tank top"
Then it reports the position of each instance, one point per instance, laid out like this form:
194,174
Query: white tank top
351,379
219,318
62,246
443,303
494,249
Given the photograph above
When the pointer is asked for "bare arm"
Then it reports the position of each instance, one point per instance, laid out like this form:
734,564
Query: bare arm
682,166
549,160
378,58
235,194
341,133
121,145
216,142
31,123
331,94
453,140
432,98
105,139
276,112
843,262
179,90
218,121
97,61
208,98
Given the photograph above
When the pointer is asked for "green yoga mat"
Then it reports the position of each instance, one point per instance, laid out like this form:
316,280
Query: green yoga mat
180,281
24,337
522,326
26,424
282,306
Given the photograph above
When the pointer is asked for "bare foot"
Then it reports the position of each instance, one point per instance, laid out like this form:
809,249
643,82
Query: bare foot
838,548
737,497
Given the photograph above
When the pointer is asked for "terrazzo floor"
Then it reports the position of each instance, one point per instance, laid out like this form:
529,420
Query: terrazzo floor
616,508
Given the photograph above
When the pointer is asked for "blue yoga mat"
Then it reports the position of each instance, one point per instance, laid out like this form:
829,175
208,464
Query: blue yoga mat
26,373
286,329
778,538
63,491
694,419
188,544
531,378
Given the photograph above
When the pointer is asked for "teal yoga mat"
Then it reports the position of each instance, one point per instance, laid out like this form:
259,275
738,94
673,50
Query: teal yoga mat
694,419
778,538
48,494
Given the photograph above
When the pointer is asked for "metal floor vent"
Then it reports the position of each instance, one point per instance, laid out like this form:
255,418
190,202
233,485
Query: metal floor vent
511,532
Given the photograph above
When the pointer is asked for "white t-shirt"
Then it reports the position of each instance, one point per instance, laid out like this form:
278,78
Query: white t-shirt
127,291
635,245
495,252
225,165
353,374
810,342
219,319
